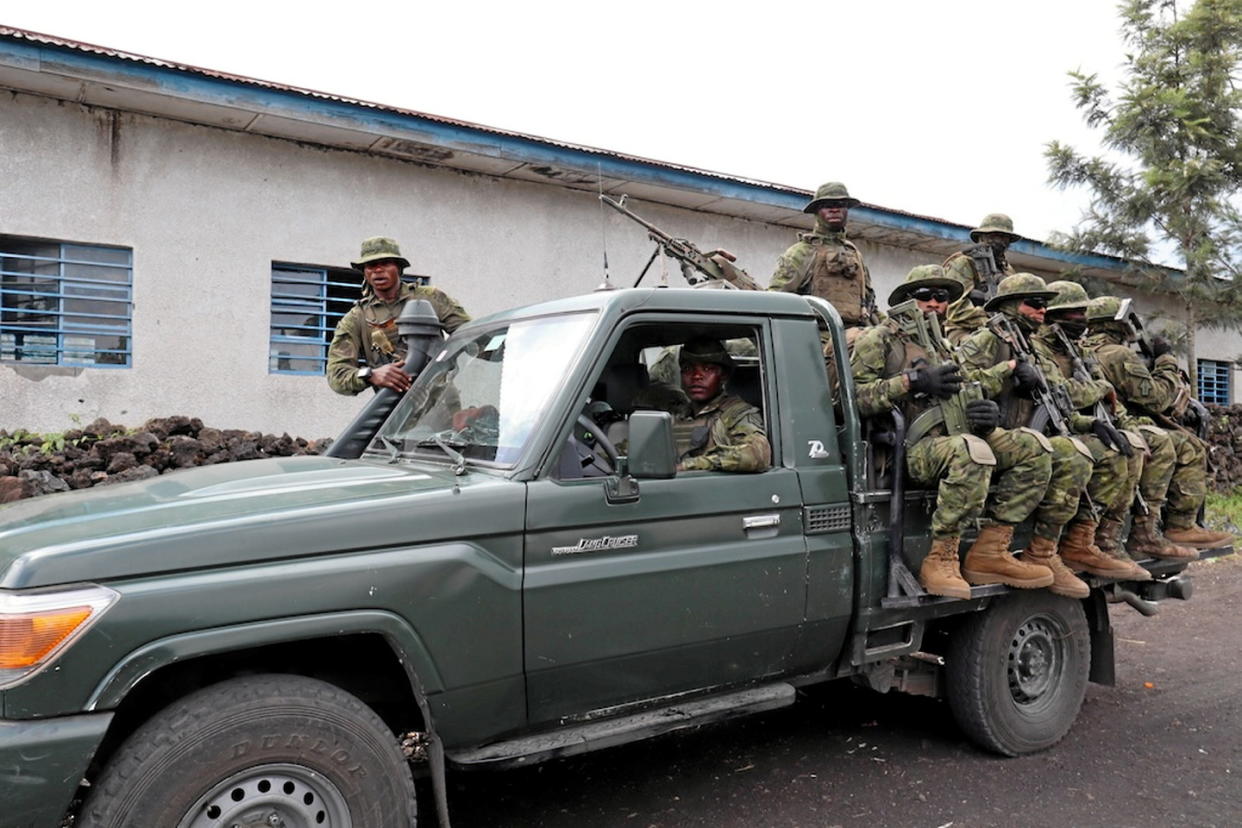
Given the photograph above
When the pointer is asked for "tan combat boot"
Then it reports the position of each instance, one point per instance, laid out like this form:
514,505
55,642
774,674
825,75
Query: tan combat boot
989,561
939,573
1078,550
1198,537
1043,552
1108,539
1146,541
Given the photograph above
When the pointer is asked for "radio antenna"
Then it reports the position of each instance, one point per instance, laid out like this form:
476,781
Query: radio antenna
603,229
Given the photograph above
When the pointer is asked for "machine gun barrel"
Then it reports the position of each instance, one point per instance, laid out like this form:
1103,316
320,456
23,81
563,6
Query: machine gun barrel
696,266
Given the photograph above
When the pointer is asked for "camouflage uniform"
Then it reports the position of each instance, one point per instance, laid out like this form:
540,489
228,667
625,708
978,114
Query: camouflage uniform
964,317
726,434
826,264
369,332
1177,470
984,358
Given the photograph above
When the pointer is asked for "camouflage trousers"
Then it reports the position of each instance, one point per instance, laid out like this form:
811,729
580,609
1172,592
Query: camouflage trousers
1113,479
1071,471
1188,486
1158,467
963,485
1020,478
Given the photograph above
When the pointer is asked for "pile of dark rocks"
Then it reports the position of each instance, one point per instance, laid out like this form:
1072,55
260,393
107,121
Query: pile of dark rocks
103,453
1225,444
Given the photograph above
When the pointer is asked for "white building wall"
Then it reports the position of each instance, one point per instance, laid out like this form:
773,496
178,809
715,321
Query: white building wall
207,211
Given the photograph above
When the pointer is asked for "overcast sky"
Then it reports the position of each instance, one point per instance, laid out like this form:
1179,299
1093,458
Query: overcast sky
938,108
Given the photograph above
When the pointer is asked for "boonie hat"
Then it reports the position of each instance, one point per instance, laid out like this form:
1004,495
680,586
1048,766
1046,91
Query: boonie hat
831,194
995,223
378,248
928,275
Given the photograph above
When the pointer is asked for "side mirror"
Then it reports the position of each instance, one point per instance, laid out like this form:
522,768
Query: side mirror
652,452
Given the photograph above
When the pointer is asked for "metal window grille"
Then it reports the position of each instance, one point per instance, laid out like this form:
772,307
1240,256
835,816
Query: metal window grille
307,302
65,304
1214,381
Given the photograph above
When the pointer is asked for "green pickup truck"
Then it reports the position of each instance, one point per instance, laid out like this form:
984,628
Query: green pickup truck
512,570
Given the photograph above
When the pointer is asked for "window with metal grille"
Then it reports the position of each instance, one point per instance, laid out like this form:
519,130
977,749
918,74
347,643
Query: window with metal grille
1214,381
63,303
307,302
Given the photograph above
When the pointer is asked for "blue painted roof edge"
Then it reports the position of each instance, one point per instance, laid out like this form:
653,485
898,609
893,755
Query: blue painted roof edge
245,93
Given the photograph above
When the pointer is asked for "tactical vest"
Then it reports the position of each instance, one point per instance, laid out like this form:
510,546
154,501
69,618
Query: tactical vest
900,359
380,340
1015,411
693,436
836,274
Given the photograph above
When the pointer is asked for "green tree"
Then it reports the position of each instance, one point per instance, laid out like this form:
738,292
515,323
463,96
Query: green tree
1169,179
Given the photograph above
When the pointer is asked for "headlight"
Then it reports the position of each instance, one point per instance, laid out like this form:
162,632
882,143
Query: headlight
36,626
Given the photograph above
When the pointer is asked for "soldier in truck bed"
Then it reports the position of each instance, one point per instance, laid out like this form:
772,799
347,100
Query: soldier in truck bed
992,473
826,264
368,331
993,236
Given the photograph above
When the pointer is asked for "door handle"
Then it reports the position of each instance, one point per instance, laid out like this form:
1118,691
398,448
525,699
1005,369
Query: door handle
760,522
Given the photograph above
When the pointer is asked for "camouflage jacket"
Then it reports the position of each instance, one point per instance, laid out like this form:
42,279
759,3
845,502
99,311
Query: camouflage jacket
828,265
368,333
984,358
1140,389
964,317
880,355
726,434
1082,393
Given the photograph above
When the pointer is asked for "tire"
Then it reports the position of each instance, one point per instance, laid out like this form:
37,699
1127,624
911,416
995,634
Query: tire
1017,672
271,749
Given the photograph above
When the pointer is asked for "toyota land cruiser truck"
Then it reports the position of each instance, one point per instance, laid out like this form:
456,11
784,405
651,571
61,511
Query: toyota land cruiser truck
512,570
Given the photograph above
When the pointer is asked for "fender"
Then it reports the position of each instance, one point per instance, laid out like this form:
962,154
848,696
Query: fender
125,675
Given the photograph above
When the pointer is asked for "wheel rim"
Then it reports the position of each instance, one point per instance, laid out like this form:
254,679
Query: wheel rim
270,796
1037,660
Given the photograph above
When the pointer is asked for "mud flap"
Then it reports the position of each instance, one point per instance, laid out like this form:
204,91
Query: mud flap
1103,659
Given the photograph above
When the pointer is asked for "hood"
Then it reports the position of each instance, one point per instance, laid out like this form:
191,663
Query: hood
236,513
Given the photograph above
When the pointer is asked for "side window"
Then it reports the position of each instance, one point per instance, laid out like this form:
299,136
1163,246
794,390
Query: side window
65,304
644,372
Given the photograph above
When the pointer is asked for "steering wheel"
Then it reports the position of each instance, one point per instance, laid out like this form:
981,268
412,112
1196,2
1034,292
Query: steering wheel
601,440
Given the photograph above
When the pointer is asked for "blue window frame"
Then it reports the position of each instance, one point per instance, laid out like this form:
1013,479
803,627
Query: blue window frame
1214,381
307,302
63,303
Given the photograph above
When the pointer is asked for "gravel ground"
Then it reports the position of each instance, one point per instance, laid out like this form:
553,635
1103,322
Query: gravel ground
1160,748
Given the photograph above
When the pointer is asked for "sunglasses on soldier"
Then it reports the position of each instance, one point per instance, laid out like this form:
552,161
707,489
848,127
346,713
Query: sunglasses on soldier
1036,302
926,294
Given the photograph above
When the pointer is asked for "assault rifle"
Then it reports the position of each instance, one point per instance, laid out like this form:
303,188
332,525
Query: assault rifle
1052,402
925,330
1082,371
697,267
984,259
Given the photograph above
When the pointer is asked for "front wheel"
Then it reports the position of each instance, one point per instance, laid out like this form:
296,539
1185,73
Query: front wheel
257,751
1017,672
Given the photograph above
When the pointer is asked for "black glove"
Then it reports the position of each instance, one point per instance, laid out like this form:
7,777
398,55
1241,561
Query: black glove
942,381
983,416
1160,346
1111,437
1026,378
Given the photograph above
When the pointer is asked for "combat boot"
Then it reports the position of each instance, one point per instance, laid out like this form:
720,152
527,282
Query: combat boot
1078,550
989,561
939,574
1198,537
1043,552
1108,540
1146,541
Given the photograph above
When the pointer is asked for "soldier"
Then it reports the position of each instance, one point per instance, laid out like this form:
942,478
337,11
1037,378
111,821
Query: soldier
826,264
1176,475
992,239
369,330
989,358
722,432
1117,471
990,472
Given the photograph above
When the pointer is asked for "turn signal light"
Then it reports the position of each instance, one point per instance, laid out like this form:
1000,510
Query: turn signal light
35,626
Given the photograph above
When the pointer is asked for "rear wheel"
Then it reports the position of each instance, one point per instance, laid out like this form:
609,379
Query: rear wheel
1017,672
257,751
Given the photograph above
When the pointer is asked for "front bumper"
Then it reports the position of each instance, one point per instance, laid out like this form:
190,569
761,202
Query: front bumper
41,764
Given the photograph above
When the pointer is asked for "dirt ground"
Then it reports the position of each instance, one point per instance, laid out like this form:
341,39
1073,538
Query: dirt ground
1161,748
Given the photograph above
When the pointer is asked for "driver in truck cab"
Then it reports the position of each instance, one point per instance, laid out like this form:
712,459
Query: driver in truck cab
722,432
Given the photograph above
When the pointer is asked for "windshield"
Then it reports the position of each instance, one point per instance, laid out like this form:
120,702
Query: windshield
483,395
